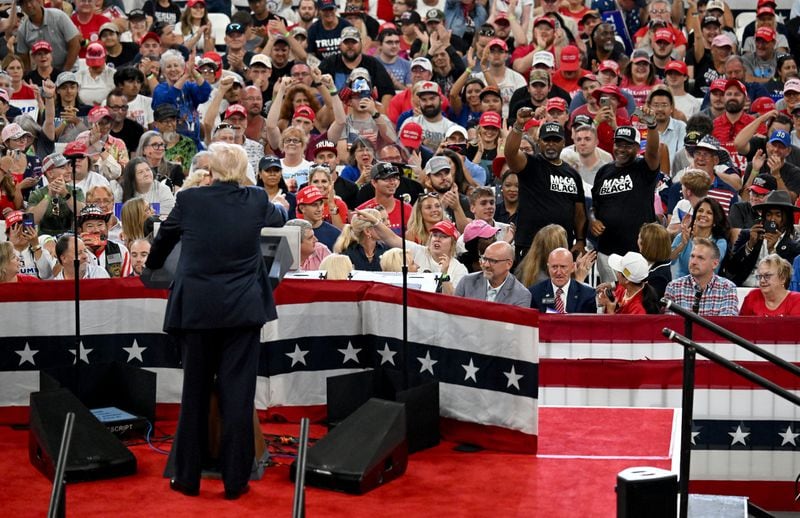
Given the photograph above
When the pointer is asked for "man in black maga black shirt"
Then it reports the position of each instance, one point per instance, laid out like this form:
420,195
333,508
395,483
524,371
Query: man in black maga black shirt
550,191
623,194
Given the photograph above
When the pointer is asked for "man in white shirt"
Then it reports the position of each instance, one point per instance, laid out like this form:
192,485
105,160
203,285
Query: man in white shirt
434,124
506,79
87,267
584,155
676,74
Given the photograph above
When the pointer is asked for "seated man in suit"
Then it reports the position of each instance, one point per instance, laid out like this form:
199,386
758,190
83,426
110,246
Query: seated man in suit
495,282
560,293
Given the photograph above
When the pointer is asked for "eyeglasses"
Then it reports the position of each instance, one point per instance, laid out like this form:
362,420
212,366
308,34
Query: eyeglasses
158,145
489,260
658,11
764,276
292,140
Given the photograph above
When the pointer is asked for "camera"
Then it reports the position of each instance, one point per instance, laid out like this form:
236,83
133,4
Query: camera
605,101
610,295
770,226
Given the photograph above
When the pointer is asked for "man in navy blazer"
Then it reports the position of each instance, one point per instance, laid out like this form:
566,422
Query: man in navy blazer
576,297
495,282
220,299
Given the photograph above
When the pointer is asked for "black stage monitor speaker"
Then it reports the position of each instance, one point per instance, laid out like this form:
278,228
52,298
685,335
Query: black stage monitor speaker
364,451
647,493
94,454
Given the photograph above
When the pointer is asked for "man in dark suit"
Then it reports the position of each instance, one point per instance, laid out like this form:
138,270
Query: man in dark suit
219,300
560,293
495,283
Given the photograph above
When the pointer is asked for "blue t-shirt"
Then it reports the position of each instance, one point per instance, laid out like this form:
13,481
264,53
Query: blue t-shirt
322,42
327,234
400,70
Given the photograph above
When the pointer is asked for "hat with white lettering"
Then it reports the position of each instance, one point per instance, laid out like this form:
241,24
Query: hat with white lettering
628,134
633,266
551,130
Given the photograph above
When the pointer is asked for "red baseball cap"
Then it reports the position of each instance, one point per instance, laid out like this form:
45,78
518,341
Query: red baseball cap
98,113
556,103
765,9
491,120
606,65
664,35
95,55
677,66
446,228
570,58
719,83
765,33
76,148
152,36
762,105
411,135
533,123
304,112
12,218
497,42
308,195
497,165
235,109
544,19
41,45
735,83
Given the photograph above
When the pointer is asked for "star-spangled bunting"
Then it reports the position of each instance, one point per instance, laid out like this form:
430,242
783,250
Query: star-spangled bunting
513,378
350,353
738,436
135,352
471,371
297,356
84,353
789,437
26,355
387,355
427,363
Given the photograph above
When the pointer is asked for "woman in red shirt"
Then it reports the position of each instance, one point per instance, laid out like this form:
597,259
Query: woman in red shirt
9,265
632,296
772,298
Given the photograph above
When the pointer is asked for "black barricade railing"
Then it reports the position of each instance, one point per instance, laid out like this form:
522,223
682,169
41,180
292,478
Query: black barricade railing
690,349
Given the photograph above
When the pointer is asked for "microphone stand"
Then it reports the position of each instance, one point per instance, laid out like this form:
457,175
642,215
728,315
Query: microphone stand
404,269
76,272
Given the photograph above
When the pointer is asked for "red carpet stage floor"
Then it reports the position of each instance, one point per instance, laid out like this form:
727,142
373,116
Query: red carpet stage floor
581,450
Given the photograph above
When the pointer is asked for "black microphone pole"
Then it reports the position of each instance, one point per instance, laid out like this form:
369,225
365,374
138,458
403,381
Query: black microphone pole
76,272
402,199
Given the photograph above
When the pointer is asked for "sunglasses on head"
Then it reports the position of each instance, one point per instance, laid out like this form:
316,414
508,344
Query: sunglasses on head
486,31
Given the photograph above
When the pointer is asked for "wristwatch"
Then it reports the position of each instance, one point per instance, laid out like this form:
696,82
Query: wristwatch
334,210
376,115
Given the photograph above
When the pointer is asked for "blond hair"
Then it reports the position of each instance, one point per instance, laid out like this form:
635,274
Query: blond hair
354,231
337,267
228,162
534,263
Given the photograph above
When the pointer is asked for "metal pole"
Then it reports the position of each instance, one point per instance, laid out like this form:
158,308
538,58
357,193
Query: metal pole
299,508
732,366
687,411
58,496
738,340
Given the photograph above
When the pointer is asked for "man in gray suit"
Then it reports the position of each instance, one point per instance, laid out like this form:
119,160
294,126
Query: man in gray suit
495,282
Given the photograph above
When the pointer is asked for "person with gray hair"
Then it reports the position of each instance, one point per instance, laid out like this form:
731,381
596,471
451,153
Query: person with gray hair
312,252
185,88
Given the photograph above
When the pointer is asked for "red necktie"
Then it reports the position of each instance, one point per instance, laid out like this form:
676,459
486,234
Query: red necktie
559,301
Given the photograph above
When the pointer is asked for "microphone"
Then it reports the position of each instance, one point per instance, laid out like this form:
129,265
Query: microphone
405,197
698,294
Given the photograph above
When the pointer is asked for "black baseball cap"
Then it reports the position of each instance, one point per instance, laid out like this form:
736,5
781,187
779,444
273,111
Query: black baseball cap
165,111
551,130
383,170
268,162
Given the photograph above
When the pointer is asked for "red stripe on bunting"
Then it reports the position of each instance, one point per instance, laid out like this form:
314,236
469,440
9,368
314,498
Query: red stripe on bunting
91,289
647,328
769,495
654,374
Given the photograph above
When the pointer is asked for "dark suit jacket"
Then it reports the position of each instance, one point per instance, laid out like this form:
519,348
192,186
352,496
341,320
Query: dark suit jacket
580,297
221,280
741,264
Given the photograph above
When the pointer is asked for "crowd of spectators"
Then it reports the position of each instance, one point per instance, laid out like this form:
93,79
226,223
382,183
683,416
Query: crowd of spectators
565,155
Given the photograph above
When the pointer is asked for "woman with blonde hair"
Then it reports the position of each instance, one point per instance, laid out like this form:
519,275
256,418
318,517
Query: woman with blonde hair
337,267
9,265
427,212
656,246
334,209
294,165
533,267
392,261
135,213
359,241
195,26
